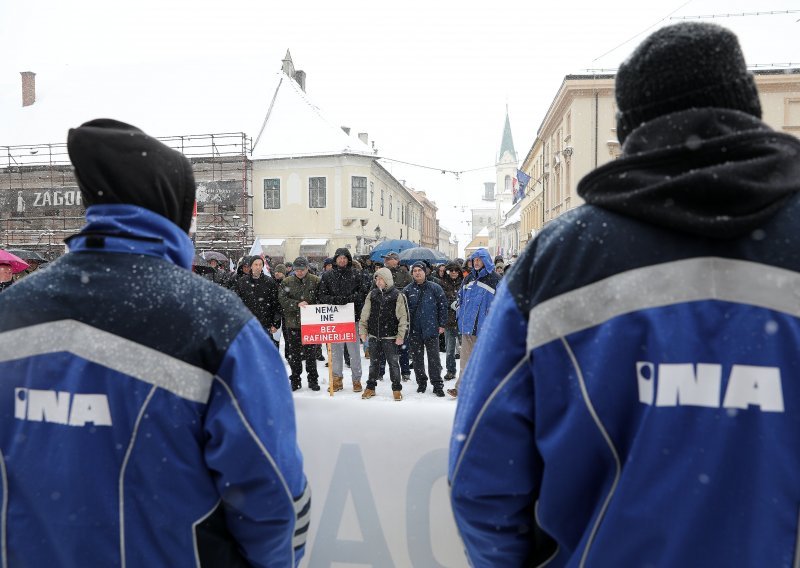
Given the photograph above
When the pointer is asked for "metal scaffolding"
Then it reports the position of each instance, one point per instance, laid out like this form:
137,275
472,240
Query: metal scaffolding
41,205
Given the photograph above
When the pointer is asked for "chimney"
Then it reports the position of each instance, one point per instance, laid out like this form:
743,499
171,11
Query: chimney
28,88
364,137
346,130
300,77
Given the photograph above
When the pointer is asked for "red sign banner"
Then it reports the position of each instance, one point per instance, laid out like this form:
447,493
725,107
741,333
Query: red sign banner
323,323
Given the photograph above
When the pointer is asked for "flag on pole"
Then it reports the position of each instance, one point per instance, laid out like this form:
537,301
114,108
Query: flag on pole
523,180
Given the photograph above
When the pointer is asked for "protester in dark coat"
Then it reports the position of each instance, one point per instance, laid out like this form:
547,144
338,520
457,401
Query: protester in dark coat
427,306
451,283
632,399
340,286
259,293
147,420
296,291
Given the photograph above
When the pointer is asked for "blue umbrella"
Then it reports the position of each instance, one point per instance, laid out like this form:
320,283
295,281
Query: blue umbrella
424,254
393,245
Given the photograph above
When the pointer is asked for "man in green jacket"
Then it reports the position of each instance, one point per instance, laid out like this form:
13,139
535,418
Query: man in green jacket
297,291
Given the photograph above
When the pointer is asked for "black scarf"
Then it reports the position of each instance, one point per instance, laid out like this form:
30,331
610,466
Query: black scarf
712,172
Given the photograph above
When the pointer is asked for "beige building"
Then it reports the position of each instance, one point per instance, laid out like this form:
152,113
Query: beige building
317,188
578,134
448,243
481,240
312,205
429,235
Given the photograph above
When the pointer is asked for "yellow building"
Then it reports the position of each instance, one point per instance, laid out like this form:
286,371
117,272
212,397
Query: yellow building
578,134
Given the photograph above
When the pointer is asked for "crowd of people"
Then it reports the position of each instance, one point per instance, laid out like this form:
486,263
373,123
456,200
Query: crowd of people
404,314
631,401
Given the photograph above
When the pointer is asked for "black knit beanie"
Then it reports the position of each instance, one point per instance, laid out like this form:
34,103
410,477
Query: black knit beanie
118,163
686,65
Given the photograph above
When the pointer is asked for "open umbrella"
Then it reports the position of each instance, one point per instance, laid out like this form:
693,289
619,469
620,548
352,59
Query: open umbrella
200,265
214,255
392,245
424,254
27,255
17,264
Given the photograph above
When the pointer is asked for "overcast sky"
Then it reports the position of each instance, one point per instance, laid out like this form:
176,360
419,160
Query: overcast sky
429,80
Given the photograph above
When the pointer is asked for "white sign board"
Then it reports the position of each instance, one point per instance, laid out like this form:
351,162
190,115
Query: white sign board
323,323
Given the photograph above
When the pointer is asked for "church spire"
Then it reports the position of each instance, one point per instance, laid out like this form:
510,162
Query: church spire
507,145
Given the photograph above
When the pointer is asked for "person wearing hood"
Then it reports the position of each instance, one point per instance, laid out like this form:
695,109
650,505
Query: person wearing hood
427,306
639,363
402,278
340,286
475,297
145,410
384,322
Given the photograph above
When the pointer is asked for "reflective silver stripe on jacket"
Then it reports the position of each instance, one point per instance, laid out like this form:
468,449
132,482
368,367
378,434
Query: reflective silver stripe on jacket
696,279
110,351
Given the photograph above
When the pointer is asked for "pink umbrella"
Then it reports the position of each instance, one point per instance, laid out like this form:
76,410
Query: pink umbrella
17,264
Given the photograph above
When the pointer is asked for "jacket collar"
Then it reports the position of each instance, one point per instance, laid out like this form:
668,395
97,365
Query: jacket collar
130,229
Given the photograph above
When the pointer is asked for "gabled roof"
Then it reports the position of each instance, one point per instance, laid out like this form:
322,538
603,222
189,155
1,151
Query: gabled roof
173,100
294,126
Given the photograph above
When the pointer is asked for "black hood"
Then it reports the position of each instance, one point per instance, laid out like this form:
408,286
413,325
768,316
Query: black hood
118,163
711,172
343,252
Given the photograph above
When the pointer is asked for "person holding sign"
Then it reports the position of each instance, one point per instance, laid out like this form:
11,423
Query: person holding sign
339,287
297,291
384,321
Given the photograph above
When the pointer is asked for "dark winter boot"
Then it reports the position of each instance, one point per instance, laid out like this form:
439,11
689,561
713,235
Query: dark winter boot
449,376
438,391
313,384
422,386
295,384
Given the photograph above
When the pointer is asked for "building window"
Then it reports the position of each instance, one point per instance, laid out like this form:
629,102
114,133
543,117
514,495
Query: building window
371,195
391,206
316,192
358,190
403,214
508,183
272,194
381,202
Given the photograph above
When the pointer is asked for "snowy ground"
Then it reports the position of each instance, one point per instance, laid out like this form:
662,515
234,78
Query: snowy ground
383,392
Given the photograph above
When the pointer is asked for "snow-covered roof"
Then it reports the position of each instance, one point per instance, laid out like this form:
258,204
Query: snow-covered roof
513,218
296,127
483,232
171,100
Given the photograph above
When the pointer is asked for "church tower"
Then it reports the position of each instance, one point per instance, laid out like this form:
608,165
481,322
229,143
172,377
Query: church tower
506,169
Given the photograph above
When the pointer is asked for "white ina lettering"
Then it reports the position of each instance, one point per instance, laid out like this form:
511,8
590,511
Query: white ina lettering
59,407
700,384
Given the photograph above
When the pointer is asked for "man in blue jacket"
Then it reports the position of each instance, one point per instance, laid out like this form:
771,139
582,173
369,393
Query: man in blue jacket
475,297
427,308
633,399
145,416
